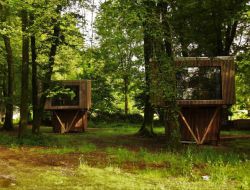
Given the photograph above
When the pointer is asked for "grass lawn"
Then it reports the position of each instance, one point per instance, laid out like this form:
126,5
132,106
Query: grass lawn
110,156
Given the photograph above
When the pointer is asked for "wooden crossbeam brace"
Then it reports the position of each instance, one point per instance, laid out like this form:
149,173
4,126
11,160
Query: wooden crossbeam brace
84,121
189,128
197,140
72,122
63,129
198,134
210,125
68,127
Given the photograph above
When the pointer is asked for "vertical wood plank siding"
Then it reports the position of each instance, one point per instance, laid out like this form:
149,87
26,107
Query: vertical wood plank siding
197,115
198,119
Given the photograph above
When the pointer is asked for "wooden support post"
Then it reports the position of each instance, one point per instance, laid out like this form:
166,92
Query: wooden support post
62,127
85,121
72,122
189,128
210,125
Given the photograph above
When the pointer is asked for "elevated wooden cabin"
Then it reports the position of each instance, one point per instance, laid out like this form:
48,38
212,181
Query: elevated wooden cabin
204,86
70,112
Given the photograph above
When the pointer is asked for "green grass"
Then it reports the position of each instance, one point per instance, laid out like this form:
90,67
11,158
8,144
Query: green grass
234,132
112,158
86,177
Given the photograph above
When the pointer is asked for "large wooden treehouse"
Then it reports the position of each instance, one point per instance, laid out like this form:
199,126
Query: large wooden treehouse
205,86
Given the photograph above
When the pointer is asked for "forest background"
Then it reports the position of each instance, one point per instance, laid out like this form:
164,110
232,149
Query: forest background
49,40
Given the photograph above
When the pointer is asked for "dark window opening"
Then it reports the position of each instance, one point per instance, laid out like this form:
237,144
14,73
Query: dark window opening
199,83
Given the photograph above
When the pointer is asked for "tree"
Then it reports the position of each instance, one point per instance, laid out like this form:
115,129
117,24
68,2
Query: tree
48,22
242,82
8,124
159,67
121,45
206,28
93,68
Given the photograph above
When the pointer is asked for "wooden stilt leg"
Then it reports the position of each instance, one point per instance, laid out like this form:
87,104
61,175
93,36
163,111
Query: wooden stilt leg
189,128
72,122
209,125
85,120
62,127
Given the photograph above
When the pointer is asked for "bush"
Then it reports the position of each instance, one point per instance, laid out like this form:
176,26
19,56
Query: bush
117,117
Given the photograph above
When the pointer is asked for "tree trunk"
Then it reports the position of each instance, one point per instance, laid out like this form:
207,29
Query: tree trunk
218,43
147,126
230,35
40,101
35,99
8,123
171,116
48,75
25,74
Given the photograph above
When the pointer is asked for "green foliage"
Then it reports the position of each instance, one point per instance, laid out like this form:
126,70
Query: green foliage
58,91
121,48
242,84
206,28
104,116
102,89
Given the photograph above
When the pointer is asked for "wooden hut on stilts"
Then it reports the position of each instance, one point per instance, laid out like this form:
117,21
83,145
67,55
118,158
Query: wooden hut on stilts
205,86
69,113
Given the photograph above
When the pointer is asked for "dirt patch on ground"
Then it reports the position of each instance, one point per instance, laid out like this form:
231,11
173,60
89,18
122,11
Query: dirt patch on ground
26,156
13,157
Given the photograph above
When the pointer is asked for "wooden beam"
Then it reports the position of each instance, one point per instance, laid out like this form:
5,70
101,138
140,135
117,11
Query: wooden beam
210,125
198,134
61,123
189,128
72,122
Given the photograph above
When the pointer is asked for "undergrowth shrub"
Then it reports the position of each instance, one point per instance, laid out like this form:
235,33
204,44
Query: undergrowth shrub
117,117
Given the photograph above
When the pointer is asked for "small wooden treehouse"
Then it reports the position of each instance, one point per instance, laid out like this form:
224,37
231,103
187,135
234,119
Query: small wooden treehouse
70,109
204,87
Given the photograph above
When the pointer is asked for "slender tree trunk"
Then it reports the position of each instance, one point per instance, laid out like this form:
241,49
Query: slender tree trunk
161,114
147,126
125,79
40,101
48,75
47,78
172,130
230,35
218,43
3,90
184,50
8,123
25,74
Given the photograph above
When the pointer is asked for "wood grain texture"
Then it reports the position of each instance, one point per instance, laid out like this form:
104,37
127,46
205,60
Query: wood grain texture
203,121
64,121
